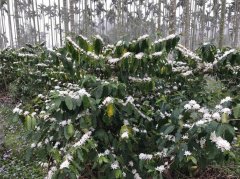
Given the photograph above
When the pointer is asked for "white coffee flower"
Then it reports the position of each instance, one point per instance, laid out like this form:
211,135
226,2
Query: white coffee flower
221,143
207,116
187,106
160,168
130,163
227,99
226,110
143,156
187,153
108,100
216,116
115,165
65,164
196,106
33,145
125,135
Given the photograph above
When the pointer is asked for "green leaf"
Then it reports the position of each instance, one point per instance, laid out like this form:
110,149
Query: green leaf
168,130
118,173
69,103
28,154
86,102
193,159
28,122
236,111
98,92
68,131
83,43
15,118
98,45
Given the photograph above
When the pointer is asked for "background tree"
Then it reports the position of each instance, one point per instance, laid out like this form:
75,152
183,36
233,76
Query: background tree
222,23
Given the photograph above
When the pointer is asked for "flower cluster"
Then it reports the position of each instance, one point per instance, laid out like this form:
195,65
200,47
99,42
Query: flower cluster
222,144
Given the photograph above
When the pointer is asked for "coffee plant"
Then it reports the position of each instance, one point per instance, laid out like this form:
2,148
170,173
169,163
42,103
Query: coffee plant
136,109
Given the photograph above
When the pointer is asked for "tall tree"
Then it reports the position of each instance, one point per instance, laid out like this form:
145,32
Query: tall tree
202,29
236,25
60,22
221,25
10,23
159,14
172,17
71,15
187,22
16,18
66,16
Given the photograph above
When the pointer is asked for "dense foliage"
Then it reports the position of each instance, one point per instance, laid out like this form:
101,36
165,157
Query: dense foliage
136,110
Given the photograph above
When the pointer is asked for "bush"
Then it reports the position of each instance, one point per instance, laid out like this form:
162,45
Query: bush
133,110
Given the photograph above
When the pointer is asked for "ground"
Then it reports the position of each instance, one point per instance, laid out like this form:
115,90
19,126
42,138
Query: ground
13,162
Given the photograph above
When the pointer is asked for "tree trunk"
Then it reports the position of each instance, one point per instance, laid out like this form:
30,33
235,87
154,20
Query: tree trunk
236,26
159,14
38,23
10,24
172,17
60,22
71,15
34,22
194,28
202,23
221,25
187,23
65,10
18,32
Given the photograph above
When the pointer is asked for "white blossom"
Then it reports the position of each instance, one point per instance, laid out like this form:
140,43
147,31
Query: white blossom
139,56
83,139
216,116
130,163
226,110
115,165
196,106
63,123
143,156
218,107
202,142
108,100
187,106
221,143
207,116
33,145
160,168
65,164
187,153
125,135
227,99
113,60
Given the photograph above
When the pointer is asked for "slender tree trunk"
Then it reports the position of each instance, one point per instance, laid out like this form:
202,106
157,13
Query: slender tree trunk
194,28
18,32
51,26
60,21
71,15
65,9
221,25
202,23
236,26
38,23
172,17
159,14
34,22
10,23
187,23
